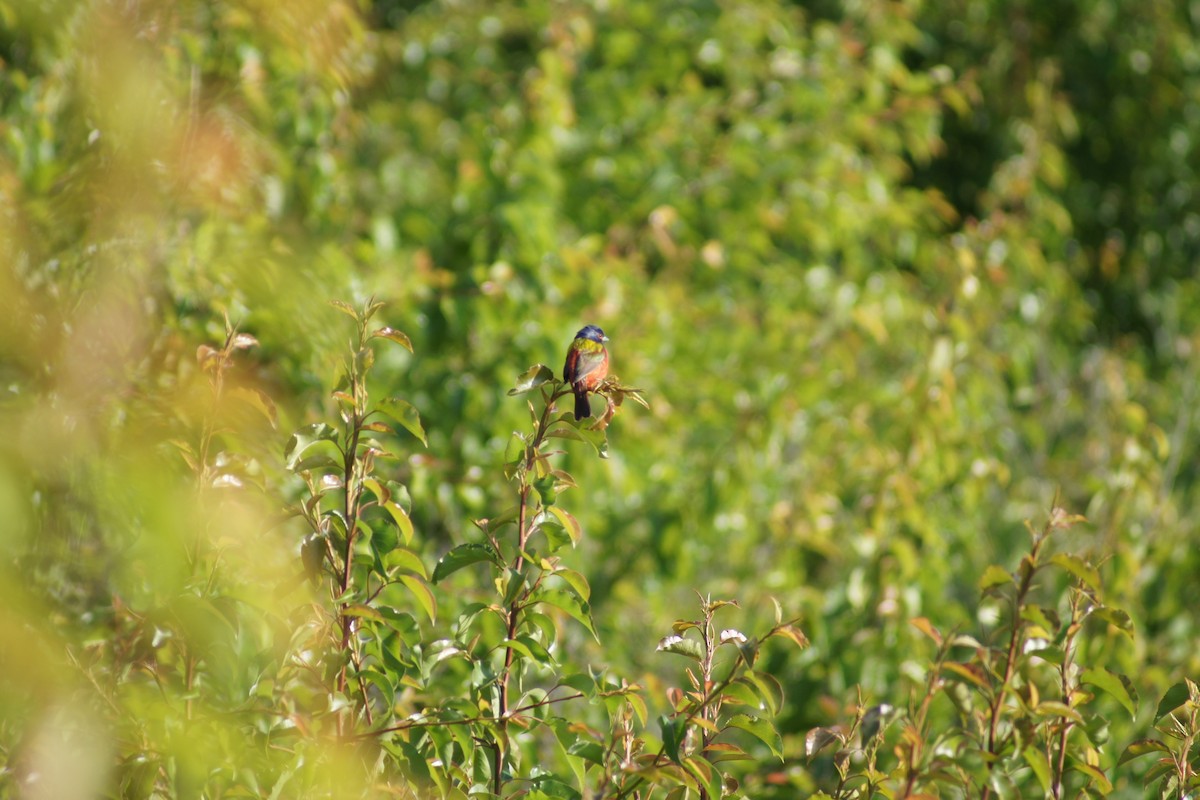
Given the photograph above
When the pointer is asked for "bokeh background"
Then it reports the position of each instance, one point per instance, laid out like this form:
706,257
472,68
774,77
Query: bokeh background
890,274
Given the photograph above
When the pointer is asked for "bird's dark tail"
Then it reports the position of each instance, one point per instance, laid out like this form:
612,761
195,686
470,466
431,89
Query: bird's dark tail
582,407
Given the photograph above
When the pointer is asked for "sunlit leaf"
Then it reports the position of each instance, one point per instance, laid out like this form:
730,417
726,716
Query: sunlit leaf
391,334
1114,684
532,378
345,308
305,438
1172,699
761,729
926,627
420,590
405,415
681,645
994,576
1140,748
464,555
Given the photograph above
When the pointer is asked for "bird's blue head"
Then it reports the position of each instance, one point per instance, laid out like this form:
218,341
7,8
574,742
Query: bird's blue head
592,333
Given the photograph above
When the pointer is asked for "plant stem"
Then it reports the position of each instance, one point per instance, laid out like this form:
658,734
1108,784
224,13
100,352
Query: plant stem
524,530
1029,568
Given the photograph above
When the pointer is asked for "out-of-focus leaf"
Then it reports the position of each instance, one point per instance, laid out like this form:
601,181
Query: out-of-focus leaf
1083,571
818,739
994,576
345,308
393,335
1140,748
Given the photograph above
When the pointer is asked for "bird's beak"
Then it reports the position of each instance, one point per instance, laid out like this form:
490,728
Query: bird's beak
604,338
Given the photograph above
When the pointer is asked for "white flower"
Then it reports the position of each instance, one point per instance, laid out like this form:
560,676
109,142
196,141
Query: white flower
731,635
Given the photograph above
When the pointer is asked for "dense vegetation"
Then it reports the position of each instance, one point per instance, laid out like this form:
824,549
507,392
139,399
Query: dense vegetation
896,490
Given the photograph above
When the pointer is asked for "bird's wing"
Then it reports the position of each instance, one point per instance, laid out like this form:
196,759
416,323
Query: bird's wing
587,363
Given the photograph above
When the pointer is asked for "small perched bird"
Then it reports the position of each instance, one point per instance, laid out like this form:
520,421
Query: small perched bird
587,365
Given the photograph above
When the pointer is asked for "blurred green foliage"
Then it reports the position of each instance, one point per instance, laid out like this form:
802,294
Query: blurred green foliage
890,274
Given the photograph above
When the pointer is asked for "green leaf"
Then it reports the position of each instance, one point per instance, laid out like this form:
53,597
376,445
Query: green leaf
362,611
760,729
401,519
1115,617
345,308
464,555
391,334
1140,748
532,378
400,558
1002,785
589,751
260,401
1083,571
580,610
420,590
305,438
681,645
405,415
569,523
1039,764
768,688
576,581
672,733
570,429
994,576
1054,708
1174,697
1114,684
1101,780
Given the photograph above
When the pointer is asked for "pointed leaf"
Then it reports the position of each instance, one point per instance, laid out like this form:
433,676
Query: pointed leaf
926,627
405,415
363,611
1117,685
994,576
394,335
562,599
345,308
1102,781
464,555
1040,764
532,378
1115,617
672,733
569,523
1140,748
1083,571
305,438
1176,696
792,633
400,558
420,590
818,739
760,729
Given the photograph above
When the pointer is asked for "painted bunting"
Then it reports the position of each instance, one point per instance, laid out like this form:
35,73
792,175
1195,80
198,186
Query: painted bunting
587,365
